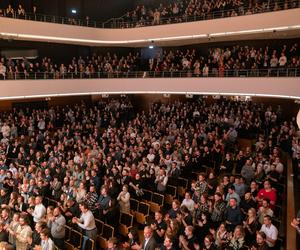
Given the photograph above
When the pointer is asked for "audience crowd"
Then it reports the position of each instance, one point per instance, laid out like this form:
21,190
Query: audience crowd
165,13
192,10
221,61
92,159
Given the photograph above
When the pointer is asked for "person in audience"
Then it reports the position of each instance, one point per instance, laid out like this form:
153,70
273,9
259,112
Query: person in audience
217,209
112,244
267,192
232,215
208,243
221,236
172,213
132,242
232,194
188,202
124,200
3,233
161,181
296,222
250,226
22,234
86,221
237,240
264,210
39,210
260,243
149,242
108,143
270,231
12,229
159,228
35,238
57,228
187,240
46,243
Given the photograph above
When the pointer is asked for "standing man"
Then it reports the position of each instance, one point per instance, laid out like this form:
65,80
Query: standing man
149,242
39,209
86,221
57,226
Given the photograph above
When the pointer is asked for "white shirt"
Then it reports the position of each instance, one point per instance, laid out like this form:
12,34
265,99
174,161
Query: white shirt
38,212
270,232
189,204
47,244
87,221
146,242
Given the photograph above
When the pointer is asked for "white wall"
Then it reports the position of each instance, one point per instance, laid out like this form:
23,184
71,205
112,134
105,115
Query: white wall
92,36
284,87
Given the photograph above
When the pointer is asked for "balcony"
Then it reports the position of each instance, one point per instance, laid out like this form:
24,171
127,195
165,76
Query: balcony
271,25
281,87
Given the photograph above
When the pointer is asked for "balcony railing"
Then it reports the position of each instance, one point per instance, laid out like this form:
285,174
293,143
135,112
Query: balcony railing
270,72
239,11
121,22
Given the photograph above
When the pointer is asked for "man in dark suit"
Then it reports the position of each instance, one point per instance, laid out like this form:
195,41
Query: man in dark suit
149,242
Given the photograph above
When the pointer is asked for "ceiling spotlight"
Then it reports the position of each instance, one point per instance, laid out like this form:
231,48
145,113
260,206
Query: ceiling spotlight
74,11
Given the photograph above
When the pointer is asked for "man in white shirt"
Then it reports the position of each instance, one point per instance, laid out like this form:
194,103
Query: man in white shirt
39,210
86,221
270,230
188,202
282,60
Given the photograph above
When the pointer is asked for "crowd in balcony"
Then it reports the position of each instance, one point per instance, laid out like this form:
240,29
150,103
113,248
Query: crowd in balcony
176,12
18,12
91,160
220,61
192,10
227,60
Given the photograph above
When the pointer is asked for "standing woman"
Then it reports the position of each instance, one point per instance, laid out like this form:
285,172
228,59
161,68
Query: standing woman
250,226
124,200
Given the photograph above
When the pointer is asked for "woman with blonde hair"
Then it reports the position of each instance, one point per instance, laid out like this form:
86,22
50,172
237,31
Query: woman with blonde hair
173,231
238,238
221,236
124,200
80,192
250,226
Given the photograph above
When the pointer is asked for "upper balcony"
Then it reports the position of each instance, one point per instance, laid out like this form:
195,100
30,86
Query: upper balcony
270,25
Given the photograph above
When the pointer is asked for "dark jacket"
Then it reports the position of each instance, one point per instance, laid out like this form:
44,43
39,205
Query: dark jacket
151,244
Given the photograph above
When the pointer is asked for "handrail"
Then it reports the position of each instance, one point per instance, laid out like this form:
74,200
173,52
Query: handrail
270,72
290,213
120,23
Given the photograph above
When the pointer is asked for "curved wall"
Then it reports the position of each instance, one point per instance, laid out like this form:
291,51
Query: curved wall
285,87
287,21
